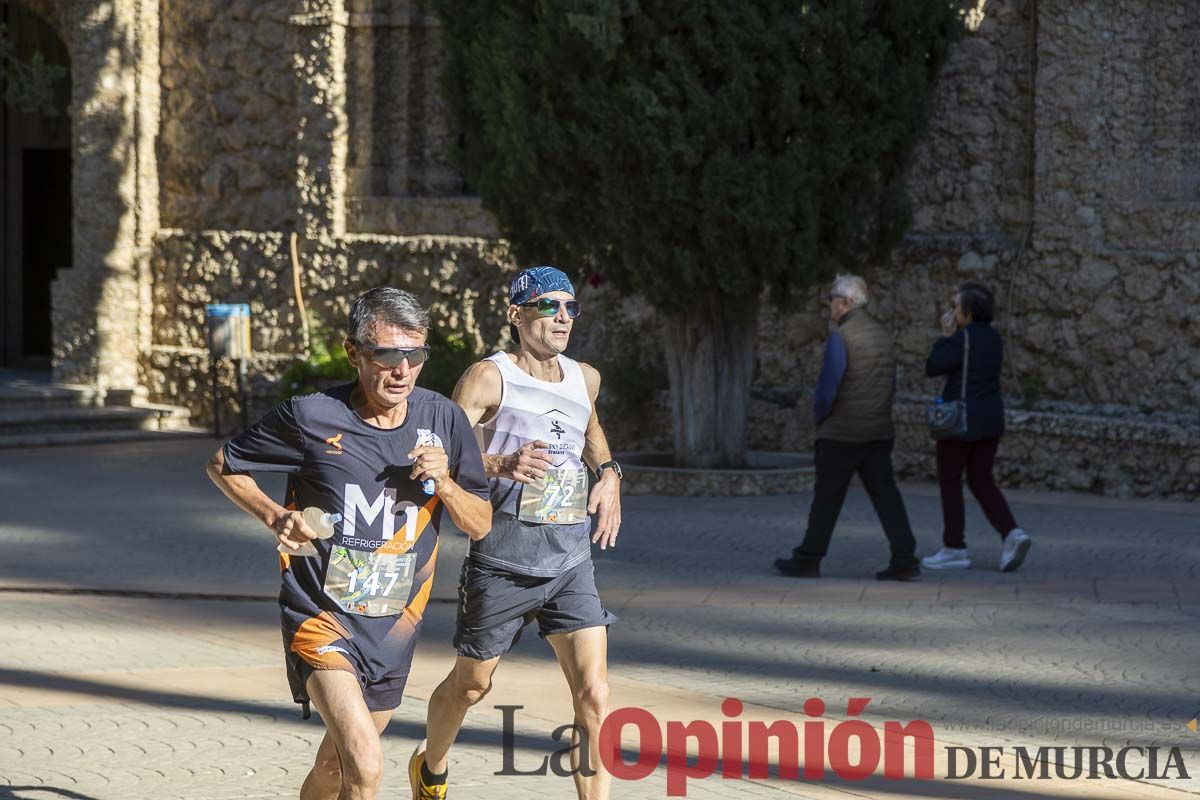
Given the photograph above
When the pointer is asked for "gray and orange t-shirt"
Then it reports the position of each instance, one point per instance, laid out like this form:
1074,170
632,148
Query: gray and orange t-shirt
369,583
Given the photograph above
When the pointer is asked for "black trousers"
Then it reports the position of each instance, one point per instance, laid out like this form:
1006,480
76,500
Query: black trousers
836,462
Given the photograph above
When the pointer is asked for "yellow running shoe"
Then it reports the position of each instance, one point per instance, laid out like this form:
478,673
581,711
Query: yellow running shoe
420,789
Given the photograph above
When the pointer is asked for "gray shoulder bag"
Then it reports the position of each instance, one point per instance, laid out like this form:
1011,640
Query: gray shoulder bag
949,420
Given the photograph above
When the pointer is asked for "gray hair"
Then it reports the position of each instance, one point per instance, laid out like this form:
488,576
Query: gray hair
851,287
385,306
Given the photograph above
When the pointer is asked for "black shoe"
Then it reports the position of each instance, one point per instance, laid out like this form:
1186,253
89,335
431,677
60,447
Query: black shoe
912,573
799,567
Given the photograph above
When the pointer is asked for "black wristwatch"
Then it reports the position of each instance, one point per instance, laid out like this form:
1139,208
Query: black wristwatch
614,466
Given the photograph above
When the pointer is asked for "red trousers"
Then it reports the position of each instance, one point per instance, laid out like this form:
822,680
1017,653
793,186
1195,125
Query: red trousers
954,457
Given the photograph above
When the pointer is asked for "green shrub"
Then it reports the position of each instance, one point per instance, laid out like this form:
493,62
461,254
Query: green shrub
327,367
450,356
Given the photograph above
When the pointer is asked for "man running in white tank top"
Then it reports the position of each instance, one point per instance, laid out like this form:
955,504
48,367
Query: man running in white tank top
534,412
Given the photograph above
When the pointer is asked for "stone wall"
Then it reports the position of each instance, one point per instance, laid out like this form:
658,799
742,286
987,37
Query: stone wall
973,173
1111,310
1074,449
227,149
1109,449
456,277
1059,168
401,137
1072,191
96,305
400,179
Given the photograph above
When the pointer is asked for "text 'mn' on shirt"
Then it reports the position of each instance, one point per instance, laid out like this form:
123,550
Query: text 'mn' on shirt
338,462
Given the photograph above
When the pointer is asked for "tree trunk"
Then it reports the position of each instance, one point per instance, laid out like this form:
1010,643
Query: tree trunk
710,358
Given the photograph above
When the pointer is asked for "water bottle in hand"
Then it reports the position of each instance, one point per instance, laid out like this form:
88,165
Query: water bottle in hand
321,523
431,439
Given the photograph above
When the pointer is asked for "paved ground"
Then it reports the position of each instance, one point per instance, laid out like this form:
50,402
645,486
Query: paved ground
159,690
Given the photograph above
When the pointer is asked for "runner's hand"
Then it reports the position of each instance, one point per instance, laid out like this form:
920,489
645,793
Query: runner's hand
291,531
606,499
527,464
430,463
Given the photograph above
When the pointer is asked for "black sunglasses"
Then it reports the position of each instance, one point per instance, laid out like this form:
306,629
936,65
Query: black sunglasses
391,357
547,307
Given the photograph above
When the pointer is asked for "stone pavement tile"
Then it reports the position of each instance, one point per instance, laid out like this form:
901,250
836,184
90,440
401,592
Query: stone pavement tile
1136,590
683,597
230,684
262,750
616,599
745,596
527,680
961,592
119,633
1188,590
824,590
138,697
125,586
922,591
1061,590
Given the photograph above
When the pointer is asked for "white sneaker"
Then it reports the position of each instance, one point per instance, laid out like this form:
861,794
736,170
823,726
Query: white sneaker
947,558
1016,547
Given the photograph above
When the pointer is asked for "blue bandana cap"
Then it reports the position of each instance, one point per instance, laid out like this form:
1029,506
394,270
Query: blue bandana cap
537,281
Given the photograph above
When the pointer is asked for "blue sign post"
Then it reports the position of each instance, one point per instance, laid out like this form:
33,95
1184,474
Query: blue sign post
228,332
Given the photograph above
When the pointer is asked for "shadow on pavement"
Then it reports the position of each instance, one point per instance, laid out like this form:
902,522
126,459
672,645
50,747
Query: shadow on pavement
413,730
145,516
190,702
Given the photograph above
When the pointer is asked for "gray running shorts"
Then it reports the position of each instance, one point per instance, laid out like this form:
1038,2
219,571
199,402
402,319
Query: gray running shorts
494,606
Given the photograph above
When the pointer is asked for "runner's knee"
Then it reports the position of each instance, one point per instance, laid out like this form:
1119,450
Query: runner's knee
592,697
364,769
328,770
470,689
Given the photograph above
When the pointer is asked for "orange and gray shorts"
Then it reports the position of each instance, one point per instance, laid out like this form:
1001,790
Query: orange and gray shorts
380,662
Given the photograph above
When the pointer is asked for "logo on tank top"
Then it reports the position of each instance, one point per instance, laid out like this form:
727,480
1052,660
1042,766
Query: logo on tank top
556,427
336,443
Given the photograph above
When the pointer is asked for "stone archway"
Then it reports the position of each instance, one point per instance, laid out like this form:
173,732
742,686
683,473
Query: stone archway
35,198
99,305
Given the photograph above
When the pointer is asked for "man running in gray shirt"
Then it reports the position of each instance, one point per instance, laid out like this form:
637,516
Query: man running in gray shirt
379,460
534,411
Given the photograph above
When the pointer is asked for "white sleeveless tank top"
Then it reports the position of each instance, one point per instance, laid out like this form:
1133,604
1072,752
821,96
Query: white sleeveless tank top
530,410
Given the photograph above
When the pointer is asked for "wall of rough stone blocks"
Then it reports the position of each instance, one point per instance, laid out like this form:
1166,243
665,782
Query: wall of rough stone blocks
227,154
456,278
1100,310
1111,454
1061,171
401,136
1111,311
1059,168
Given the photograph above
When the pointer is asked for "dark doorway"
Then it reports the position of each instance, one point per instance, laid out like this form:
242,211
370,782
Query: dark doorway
35,200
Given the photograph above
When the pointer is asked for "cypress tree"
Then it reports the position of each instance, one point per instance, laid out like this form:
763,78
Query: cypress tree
696,152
